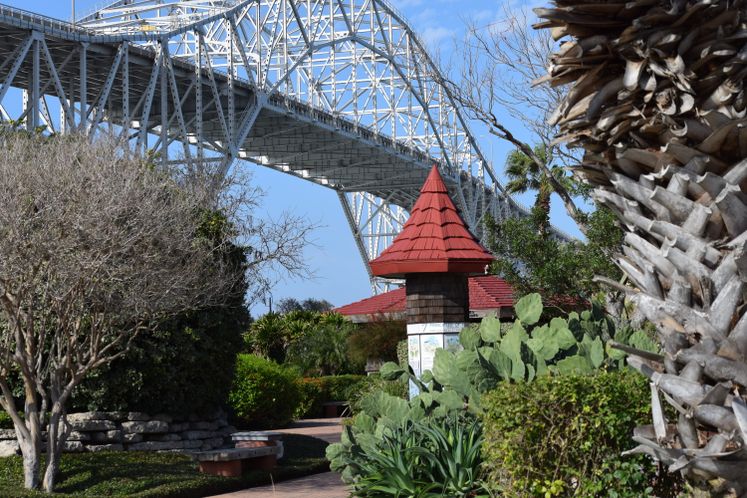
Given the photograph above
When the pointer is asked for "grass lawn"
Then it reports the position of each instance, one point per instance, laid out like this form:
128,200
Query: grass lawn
159,475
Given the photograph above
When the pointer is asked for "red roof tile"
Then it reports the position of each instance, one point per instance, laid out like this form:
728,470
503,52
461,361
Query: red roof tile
486,292
434,240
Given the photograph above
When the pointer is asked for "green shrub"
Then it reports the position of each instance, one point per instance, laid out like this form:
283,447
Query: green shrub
183,367
321,347
376,340
264,394
563,436
318,390
5,421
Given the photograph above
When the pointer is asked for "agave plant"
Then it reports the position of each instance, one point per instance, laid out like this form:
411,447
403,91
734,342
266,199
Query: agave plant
657,102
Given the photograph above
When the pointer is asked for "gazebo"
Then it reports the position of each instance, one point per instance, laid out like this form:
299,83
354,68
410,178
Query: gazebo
435,253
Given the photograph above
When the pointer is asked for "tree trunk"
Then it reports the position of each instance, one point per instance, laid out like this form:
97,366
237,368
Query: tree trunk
542,207
55,443
658,103
31,463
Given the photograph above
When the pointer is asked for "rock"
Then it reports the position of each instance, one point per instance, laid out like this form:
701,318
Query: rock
163,417
218,414
104,447
7,434
9,448
210,444
228,430
192,445
93,425
179,427
137,416
167,437
156,446
116,416
79,436
73,447
197,434
150,427
203,426
215,442
87,416
132,438
107,437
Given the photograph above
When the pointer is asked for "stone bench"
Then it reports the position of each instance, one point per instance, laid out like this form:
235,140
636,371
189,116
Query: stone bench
335,408
232,462
258,439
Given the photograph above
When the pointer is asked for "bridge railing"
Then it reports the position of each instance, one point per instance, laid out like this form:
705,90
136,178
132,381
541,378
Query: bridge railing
34,20
344,124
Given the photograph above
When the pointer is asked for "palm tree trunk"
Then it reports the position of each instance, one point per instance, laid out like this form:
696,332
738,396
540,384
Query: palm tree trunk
542,207
658,104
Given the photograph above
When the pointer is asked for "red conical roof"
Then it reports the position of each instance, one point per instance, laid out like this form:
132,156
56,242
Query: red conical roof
434,240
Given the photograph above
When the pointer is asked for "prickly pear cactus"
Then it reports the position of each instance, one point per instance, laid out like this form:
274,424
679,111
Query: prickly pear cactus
491,352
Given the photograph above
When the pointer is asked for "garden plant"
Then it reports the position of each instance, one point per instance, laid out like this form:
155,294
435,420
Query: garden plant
391,435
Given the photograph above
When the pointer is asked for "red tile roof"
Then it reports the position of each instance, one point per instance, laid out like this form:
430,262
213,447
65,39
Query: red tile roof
434,240
486,292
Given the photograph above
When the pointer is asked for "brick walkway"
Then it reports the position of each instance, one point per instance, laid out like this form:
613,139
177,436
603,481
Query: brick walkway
327,485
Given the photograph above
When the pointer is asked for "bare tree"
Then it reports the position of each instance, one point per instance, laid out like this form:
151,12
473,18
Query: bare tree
657,101
497,67
96,247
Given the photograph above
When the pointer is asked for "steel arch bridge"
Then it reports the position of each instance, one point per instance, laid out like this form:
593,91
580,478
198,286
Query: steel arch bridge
339,92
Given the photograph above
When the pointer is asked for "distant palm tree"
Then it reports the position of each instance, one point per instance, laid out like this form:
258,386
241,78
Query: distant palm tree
525,174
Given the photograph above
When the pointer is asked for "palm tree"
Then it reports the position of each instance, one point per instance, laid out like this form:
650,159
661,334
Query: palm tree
526,174
658,104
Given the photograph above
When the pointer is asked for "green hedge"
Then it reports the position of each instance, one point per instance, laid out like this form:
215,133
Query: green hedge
186,365
315,391
264,395
562,436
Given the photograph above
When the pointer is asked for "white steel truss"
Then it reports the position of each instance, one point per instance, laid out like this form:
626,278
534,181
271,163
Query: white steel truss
339,92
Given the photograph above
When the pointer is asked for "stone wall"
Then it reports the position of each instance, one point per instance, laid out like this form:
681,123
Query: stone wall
134,431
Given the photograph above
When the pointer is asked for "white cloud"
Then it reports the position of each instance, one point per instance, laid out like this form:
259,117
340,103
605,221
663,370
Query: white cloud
433,36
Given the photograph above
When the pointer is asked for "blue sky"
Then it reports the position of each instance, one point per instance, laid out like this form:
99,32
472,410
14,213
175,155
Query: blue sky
340,276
